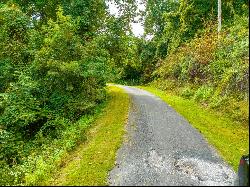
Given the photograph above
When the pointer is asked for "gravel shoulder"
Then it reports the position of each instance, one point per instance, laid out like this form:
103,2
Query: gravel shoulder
162,148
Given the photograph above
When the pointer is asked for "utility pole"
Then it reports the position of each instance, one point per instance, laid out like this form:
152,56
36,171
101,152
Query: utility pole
219,16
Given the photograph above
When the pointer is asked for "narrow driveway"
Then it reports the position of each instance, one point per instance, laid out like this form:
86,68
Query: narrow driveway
162,148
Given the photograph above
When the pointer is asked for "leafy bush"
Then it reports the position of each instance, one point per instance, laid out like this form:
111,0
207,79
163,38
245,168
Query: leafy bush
203,93
49,79
187,92
218,101
14,54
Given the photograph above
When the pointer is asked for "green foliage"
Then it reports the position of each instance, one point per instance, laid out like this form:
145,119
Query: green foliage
171,23
43,153
147,59
88,14
154,19
50,77
56,57
187,92
58,82
54,64
99,152
203,93
215,66
122,47
14,54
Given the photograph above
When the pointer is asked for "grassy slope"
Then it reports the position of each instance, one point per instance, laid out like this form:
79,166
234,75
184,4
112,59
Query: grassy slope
230,139
90,162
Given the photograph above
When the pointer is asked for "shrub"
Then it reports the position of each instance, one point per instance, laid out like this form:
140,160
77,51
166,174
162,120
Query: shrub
203,93
187,92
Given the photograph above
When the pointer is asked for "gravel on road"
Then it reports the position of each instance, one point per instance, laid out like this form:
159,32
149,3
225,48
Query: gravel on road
162,148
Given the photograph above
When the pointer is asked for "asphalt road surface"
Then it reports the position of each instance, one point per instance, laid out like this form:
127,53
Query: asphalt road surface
162,148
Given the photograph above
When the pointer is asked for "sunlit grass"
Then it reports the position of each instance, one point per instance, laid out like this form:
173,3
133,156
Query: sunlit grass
90,162
231,139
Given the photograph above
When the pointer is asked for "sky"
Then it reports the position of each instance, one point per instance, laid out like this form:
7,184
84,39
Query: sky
137,28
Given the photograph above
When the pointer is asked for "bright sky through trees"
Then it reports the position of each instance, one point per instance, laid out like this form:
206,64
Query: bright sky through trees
137,27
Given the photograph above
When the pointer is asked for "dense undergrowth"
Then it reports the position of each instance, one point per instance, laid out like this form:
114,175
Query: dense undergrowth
49,159
212,70
52,82
44,153
89,164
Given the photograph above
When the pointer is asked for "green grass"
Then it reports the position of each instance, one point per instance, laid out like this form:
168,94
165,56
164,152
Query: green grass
90,162
231,139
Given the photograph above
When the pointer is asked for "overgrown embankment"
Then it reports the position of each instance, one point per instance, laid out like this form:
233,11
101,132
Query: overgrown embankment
211,69
82,153
43,154
90,162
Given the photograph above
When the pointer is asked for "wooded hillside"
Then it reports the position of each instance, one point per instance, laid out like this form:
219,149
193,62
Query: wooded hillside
57,56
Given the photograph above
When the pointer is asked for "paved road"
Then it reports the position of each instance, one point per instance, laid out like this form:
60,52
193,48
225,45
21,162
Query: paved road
162,148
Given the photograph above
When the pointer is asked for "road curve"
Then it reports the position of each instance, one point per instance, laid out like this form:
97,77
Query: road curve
162,148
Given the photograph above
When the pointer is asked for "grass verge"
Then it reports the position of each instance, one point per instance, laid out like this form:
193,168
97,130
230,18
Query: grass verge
229,138
90,162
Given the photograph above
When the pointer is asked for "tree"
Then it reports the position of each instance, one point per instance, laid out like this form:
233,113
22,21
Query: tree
14,39
219,15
